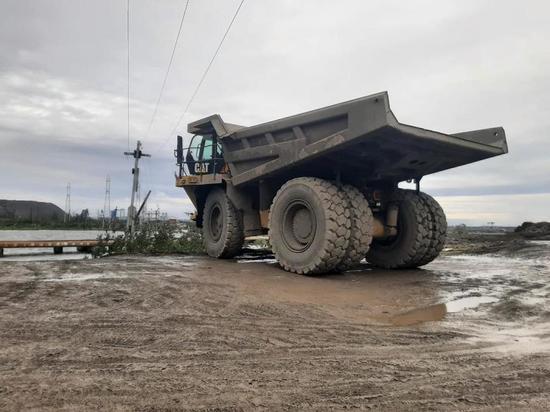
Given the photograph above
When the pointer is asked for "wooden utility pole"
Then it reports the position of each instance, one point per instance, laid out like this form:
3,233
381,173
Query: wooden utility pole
107,202
137,154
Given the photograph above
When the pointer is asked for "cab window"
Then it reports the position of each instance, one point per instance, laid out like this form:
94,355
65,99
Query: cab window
194,148
207,146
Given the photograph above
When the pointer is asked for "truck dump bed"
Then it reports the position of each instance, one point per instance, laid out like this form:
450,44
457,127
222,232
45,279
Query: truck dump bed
362,137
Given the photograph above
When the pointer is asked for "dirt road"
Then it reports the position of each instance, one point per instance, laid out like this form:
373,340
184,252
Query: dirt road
164,333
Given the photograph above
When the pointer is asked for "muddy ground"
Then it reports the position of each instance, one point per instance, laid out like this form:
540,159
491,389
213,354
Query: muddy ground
468,332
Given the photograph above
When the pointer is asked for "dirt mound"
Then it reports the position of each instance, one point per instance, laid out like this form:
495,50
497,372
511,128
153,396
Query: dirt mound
29,210
484,243
513,309
532,230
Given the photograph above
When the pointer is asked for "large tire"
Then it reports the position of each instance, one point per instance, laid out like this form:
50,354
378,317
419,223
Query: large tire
438,229
410,245
361,228
309,226
222,226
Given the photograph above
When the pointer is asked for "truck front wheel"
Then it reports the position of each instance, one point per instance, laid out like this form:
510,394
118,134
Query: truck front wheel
309,226
222,229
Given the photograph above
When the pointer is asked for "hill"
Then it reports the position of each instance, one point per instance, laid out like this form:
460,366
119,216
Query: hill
30,210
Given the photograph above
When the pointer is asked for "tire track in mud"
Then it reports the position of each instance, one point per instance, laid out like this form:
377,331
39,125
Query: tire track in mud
170,336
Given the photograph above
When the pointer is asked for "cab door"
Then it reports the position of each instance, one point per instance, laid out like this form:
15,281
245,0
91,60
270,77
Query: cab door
192,155
204,156
207,154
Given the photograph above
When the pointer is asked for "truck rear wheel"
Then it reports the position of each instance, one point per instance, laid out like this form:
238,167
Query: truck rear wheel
361,227
410,245
309,226
222,226
438,230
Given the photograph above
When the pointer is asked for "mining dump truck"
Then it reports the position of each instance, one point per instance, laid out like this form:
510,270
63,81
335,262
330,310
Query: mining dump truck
324,185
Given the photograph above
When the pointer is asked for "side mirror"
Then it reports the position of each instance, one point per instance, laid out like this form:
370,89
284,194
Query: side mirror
179,151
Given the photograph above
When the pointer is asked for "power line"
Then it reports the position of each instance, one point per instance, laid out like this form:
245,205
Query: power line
128,63
167,70
205,72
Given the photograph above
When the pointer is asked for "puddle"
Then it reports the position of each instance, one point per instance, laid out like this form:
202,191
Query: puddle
516,340
437,312
450,284
256,254
77,277
468,303
420,315
256,260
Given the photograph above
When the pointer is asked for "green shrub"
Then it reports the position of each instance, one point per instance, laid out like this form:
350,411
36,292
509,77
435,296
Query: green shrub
152,238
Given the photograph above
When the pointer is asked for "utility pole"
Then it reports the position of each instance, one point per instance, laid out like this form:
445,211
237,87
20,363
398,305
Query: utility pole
138,194
107,202
142,207
137,154
68,204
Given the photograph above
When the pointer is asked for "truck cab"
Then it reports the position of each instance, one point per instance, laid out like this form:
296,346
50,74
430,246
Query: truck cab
204,156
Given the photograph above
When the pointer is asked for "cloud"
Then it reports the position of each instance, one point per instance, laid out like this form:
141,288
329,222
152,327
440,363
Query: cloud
449,66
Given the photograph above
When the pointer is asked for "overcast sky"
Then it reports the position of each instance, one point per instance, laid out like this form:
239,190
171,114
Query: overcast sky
450,66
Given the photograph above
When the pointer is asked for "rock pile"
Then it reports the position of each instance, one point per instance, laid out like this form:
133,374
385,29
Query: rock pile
530,229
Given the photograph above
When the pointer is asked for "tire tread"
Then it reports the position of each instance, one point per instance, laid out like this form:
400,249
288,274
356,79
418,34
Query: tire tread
438,229
362,222
421,243
234,239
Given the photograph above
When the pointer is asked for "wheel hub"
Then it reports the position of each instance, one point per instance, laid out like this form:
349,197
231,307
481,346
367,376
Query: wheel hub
216,222
299,226
302,225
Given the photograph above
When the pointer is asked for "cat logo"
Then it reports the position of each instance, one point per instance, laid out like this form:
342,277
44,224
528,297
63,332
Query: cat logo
201,168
